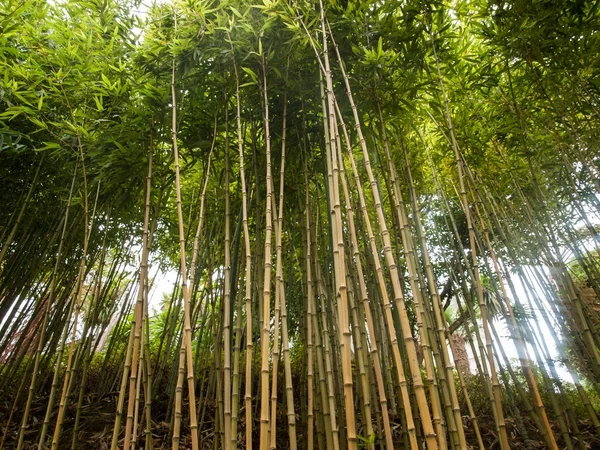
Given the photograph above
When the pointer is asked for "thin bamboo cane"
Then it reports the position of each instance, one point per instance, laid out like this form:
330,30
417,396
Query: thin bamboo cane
227,311
320,334
137,324
147,375
279,288
136,412
291,414
330,389
186,342
310,313
248,268
235,394
338,250
266,300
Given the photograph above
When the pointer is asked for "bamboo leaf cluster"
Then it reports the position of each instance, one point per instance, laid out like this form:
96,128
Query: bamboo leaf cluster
381,219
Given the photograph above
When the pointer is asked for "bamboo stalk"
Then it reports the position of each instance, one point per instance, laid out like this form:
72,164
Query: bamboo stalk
186,342
266,300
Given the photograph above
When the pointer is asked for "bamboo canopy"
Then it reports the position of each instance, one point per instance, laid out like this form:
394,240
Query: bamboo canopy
299,224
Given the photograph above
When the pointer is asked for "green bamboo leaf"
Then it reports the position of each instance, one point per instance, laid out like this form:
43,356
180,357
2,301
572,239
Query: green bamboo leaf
106,81
39,123
98,100
236,12
48,145
251,73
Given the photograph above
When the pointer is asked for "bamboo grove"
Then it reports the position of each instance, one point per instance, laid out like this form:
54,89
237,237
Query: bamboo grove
365,207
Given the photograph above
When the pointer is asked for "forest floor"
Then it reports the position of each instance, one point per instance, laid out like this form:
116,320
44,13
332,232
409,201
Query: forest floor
98,415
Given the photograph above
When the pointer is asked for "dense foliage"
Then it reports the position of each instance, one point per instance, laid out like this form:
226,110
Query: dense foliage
365,205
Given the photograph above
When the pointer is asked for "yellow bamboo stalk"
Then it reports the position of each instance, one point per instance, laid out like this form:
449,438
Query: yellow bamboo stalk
309,318
339,252
248,267
186,342
227,300
266,303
